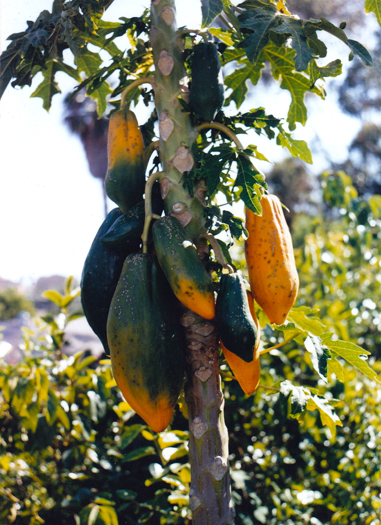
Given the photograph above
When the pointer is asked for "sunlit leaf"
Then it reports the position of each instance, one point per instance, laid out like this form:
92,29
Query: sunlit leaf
352,353
374,6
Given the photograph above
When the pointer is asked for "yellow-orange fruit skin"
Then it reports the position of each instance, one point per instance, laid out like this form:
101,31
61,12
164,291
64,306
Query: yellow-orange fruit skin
270,260
247,374
125,179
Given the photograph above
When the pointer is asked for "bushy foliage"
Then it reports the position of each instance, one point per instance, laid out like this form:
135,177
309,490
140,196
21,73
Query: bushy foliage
13,302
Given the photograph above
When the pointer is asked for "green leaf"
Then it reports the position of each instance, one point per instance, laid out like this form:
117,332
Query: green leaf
48,87
353,354
52,406
299,399
129,434
237,81
89,64
296,397
210,9
9,60
250,181
125,494
375,205
374,6
297,148
53,296
359,50
308,325
139,453
294,28
327,414
333,69
108,515
260,19
282,67
319,355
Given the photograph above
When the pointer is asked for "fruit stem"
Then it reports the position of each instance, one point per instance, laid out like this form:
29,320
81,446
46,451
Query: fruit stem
217,250
133,85
148,208
229,133
266,350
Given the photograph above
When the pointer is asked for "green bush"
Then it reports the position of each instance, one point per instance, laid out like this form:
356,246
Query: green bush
13,302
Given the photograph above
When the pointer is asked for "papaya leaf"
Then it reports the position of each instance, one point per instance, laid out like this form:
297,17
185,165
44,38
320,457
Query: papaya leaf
48,87
236,224
260,19
334,366
327,414
319,355
89,63
333,69
250,181
298,399
359,50
374,6
353,354
282,66
210,9
308,325
293,28
297,148
238,79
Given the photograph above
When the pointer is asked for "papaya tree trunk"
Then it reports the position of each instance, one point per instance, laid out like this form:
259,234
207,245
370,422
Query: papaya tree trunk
210,497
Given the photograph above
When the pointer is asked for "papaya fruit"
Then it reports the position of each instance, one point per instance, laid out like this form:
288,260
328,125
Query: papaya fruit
234,321
128,228
178,257
146,341
247,374
206,94
100,276
125,179
270,260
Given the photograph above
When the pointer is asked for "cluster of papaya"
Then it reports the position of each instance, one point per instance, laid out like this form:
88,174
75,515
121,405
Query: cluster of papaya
123,288
131,298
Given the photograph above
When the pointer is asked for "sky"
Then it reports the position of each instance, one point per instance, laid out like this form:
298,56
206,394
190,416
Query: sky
50,205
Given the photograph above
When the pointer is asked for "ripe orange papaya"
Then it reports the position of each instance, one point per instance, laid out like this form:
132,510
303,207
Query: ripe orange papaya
178,257
125,179
146,340
247,374
270,260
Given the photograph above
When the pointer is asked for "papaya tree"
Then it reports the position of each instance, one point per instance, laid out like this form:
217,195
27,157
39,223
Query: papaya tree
160,286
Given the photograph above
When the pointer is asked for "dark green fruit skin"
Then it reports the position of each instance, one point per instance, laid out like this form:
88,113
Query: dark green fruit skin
233,319
100,276
144,331
206,94
127,229
181,264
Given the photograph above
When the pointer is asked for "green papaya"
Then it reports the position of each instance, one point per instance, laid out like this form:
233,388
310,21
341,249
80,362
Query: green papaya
125,179
128,228
206,94
100,276
146,340
237,329
178,257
